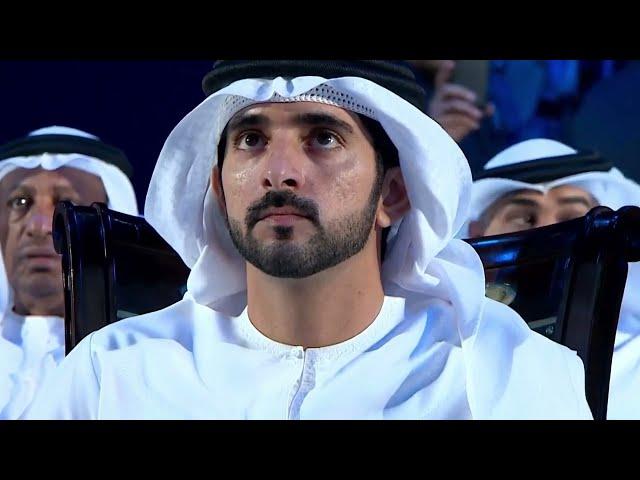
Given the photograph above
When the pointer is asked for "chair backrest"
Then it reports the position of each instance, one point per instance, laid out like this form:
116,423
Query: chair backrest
567,281
114,266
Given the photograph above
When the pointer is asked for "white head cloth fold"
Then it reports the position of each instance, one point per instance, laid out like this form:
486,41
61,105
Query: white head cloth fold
118,187
422,257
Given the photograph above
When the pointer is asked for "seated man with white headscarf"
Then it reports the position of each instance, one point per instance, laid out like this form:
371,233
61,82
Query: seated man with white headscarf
316,205
541,182
36,172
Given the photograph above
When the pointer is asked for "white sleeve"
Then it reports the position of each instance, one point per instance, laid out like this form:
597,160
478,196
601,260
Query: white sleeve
577,376
71,391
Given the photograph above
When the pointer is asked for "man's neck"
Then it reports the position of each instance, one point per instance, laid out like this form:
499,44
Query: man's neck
45,306
321,310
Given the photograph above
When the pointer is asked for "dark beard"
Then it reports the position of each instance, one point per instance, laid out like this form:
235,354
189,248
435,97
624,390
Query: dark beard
330,246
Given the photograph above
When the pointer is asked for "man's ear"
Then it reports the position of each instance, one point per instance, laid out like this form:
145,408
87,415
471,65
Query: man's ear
394,201
216,185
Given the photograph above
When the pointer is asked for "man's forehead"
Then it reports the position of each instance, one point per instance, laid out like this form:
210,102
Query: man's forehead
553,194
287,110
572,190
64,177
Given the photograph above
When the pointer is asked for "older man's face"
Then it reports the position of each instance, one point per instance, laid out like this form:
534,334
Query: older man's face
525,209
301,186
29,197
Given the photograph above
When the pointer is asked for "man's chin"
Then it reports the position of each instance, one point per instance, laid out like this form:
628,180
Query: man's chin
283,236
42,283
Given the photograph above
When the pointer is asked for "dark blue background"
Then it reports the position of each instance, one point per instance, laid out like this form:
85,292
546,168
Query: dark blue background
133,105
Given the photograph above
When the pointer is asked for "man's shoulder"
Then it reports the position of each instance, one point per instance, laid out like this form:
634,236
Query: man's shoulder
502,328
175,324
519,373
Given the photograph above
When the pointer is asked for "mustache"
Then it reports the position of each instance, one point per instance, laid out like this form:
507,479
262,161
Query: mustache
278,199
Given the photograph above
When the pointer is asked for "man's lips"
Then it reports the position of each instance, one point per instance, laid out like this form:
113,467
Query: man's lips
39,256
284,213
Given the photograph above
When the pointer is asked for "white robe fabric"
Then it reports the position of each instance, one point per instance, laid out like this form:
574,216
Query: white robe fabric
439,349
191,362
611,189
31,346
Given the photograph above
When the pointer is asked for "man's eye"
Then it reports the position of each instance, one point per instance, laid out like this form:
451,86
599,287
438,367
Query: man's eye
571,215
325,139
523,220
19,203
250,140
74,200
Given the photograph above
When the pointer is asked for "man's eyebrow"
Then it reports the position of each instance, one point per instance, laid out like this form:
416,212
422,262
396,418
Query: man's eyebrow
309,119
248,120
525,202
64,189
17,188
317,119
576,199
